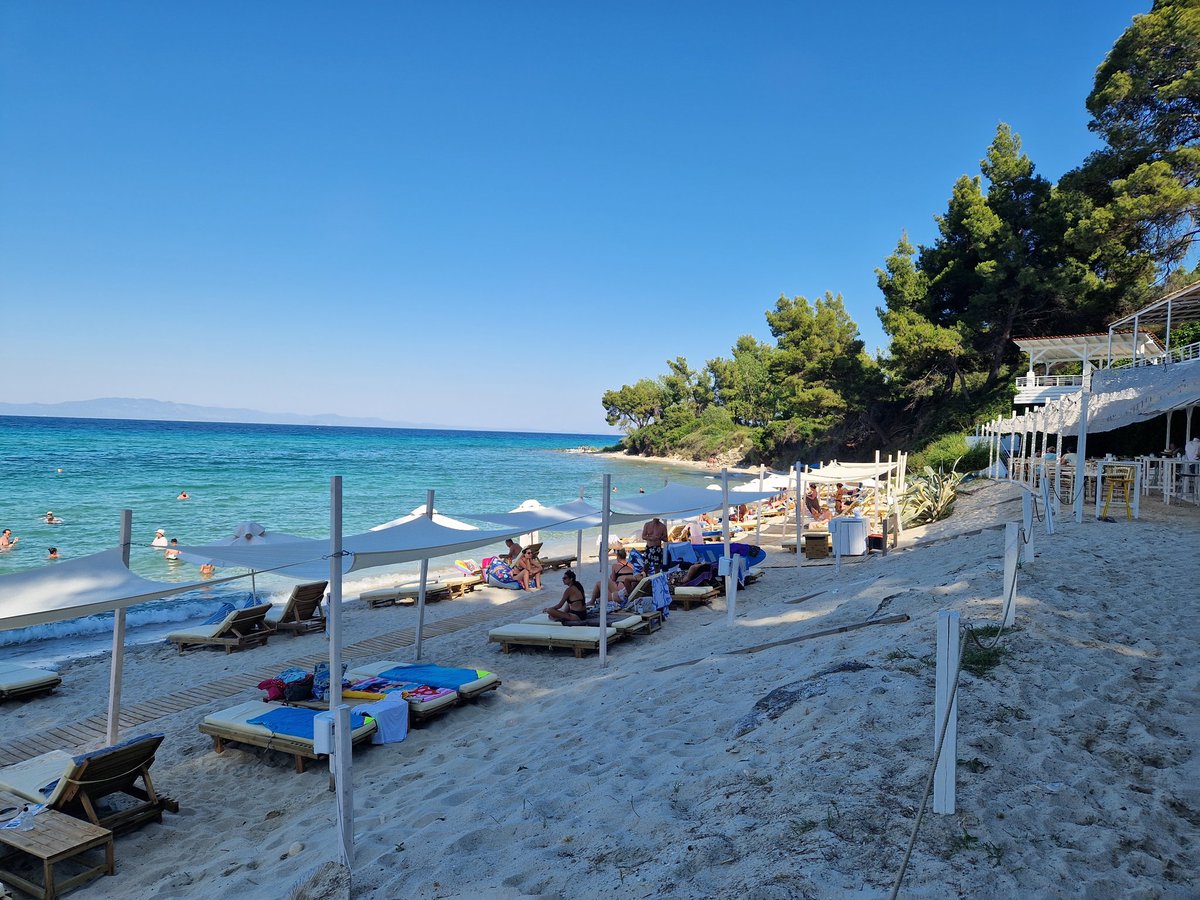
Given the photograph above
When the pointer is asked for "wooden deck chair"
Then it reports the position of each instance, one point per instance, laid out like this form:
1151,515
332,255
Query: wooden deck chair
74,784
556,562
407,595
241,628
302,613
17,681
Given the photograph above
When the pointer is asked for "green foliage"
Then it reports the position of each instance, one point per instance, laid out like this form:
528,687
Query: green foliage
930,497
1014,255
950,453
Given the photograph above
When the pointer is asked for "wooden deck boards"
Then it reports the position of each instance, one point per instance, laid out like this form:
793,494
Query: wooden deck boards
93,730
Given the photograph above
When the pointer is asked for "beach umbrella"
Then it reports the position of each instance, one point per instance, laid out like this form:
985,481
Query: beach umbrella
524,506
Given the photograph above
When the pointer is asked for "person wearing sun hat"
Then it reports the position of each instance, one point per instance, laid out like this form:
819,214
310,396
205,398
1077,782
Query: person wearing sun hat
160,539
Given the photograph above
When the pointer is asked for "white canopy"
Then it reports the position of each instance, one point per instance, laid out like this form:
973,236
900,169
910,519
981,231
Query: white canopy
574,516
416,539
675,501
437,517
79,587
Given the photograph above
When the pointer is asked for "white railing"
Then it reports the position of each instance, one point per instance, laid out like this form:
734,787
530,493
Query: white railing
1186,353
1024,381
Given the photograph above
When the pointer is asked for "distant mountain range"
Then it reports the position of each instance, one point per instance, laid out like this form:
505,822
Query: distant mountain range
165,411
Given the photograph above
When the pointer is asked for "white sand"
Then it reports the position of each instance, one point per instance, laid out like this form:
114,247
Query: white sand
1077,772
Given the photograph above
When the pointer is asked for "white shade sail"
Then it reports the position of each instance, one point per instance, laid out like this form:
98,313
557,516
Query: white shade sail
574,516
85,586
437,517
416,539
676,501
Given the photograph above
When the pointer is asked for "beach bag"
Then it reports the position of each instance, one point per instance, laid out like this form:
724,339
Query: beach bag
274,688
295,691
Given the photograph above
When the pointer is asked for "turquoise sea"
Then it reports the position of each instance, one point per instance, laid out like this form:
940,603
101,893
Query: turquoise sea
87,470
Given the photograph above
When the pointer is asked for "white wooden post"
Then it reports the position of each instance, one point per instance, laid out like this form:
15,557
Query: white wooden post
418,643
1012,555
799,516
116,671
339,759
579,541
758,512
1047,507
946,710
1058,455
1027,523
606,489
730,576
1081,457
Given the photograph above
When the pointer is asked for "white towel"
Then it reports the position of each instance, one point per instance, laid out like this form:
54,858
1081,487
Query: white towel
391,718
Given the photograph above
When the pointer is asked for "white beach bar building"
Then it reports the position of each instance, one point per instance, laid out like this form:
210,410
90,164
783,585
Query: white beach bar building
1131,374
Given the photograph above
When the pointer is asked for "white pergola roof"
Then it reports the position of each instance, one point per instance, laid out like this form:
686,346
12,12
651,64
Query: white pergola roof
1092,346
1180,307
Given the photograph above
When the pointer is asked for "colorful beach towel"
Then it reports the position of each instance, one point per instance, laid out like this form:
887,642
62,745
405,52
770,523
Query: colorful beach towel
436,676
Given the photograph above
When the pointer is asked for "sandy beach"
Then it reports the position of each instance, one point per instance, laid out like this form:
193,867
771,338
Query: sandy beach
663,775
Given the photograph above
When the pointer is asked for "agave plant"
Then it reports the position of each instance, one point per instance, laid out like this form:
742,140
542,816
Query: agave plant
930,497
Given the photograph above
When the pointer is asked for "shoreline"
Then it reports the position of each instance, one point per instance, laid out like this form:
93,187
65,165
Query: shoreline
715,758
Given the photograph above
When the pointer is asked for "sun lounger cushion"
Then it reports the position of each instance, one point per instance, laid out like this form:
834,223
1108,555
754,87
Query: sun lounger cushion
581,635
244,718
18,679
206,632
618,620
696,591
38,780
438,676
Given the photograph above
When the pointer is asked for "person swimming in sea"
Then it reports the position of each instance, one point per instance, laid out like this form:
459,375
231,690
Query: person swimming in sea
53,553
7,541
183,495
52,519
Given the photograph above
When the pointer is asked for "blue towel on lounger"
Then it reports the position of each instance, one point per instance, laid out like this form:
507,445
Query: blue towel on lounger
434,676
295,721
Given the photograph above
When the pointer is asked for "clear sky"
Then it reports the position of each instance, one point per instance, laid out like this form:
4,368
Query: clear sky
482,214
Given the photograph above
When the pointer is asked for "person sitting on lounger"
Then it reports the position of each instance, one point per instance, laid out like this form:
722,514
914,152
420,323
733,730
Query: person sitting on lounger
621,578
572,607
528,570
513,553
812,505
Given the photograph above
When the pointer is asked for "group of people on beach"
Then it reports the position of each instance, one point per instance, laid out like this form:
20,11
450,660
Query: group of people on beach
524,564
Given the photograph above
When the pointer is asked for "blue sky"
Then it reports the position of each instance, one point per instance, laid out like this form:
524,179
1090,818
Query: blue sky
482,214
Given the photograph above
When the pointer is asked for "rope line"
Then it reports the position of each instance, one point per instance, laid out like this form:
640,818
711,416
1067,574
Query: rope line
912,838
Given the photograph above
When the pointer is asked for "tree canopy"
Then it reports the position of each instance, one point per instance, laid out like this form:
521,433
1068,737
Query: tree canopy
1014,255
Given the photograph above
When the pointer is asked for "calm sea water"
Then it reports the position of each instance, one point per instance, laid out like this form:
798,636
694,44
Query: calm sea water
87,470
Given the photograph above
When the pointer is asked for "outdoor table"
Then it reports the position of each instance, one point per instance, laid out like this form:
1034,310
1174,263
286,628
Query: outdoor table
54,838
1102,464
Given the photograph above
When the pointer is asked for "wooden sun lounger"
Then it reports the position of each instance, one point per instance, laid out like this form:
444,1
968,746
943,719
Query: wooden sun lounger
302,614
557,562
575,637
407,595
231,725
17,681
83,780
241,628
469,691
687,597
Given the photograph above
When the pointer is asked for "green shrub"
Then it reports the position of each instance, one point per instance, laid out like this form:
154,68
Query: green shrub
950,453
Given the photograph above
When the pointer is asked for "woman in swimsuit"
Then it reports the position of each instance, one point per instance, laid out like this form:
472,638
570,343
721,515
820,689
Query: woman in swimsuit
528,570
620,577
572,607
